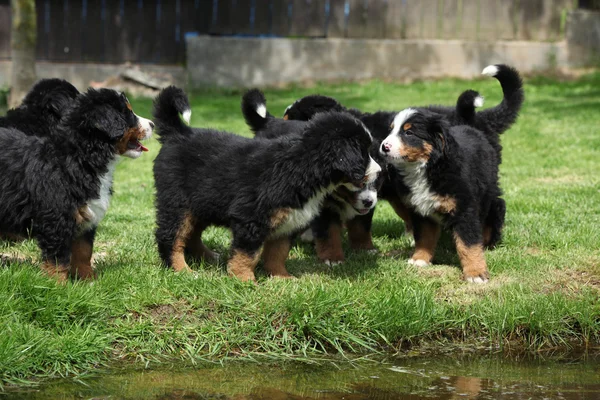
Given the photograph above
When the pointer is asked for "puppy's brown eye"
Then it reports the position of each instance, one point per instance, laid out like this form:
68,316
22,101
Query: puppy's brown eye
409,132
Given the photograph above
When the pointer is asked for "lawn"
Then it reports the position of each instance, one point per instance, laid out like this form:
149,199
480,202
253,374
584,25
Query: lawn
545,276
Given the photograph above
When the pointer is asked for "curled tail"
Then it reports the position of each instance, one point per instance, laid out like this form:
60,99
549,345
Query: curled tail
501,117
254,108
170,107
466,104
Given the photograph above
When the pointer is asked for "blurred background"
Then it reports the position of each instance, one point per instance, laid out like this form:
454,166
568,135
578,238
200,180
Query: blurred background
241,43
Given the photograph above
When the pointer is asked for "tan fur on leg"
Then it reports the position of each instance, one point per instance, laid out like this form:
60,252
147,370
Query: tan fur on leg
487,235
60,272
274,254
81,259
242,265
360,238
198,249
178,252
330,249
403,212
472,261
426,244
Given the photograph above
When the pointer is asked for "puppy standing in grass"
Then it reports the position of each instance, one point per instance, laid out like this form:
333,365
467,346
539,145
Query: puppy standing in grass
46,179
263,190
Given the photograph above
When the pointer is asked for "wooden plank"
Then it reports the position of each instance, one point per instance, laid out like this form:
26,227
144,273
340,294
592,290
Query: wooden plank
5,26
395,20
412,19
449,21
336,24
367,18
262,14
222,18
281,17
470,20
308,18
43,27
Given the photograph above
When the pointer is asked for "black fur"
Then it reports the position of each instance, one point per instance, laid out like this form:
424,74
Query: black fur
340,206
218,178
46,179
42,108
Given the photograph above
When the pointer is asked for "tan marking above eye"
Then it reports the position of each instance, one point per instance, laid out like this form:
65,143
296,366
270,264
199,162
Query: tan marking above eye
392,127
129,106
407,126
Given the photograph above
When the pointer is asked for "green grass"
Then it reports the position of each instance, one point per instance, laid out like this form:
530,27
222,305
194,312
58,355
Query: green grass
544,289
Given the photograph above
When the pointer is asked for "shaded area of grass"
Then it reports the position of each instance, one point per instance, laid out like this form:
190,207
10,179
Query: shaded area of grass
545,276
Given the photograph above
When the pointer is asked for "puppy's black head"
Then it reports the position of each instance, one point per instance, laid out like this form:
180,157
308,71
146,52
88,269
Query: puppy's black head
306,107
343,142
106,115
417,136
49,98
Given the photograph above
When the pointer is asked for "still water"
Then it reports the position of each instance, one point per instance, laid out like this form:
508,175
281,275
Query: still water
459,376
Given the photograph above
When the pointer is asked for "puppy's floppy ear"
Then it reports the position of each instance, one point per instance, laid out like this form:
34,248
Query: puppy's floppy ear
106,121
437,128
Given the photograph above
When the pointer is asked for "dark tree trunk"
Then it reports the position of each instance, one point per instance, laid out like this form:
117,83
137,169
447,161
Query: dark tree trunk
23,42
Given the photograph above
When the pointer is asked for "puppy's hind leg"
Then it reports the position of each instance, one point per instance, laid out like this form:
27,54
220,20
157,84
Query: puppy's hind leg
327,230
81,256
359,232
198,249
274,254
172,235
494,223
247,241
467,232
54,239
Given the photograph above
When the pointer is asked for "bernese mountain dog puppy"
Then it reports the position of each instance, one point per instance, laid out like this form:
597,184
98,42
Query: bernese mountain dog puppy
452,174
263,190
338,208
45,180
42,108
492,121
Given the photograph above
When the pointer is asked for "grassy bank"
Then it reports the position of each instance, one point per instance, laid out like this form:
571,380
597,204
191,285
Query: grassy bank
544,288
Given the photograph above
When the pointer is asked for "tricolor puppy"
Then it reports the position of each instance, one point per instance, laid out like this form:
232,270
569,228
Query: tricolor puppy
264,190
452,176
492,121
46,180
342,206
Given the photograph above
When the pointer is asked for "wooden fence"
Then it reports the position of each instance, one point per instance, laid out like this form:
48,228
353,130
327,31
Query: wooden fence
153,31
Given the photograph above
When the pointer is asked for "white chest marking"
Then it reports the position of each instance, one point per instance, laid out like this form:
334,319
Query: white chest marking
99,205
421,197
299,218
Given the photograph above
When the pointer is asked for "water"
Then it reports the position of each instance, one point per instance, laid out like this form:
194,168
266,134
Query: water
443,377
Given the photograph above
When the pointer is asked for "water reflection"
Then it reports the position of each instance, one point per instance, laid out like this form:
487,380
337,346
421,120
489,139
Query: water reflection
449,377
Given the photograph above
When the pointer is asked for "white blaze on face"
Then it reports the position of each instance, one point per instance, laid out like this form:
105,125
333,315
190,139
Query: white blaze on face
393,142
146,126
373,170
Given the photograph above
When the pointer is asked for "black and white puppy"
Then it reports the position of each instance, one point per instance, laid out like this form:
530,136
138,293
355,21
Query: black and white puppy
42,108
264,190
452,174
341,206
46,180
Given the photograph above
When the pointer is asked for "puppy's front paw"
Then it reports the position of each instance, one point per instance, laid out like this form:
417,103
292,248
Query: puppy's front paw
419,263
332,263
483,277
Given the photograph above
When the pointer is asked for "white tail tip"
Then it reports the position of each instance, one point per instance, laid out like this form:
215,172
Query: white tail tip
490,70
187,114
478,101
262,110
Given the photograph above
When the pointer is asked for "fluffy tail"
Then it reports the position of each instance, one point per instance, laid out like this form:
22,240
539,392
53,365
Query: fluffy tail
170,107
466,104
254,108
501,117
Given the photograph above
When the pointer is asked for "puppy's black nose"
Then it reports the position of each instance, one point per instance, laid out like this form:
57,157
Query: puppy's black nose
151,125
386,147
368,203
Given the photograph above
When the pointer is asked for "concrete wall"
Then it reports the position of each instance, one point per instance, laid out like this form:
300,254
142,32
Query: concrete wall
81,75
245,62
583,37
